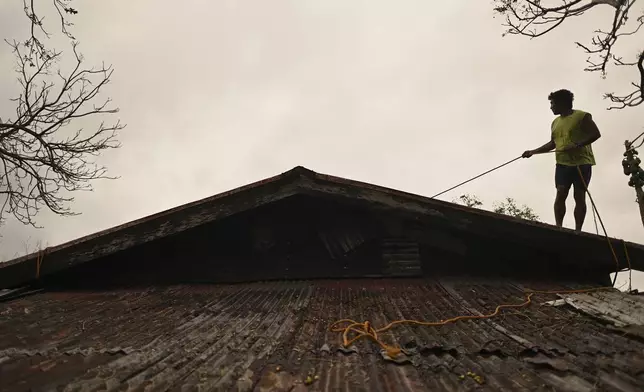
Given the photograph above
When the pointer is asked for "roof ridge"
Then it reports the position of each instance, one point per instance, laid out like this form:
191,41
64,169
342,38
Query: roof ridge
299,179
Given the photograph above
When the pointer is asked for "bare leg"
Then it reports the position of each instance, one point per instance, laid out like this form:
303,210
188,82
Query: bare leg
560,205
580,207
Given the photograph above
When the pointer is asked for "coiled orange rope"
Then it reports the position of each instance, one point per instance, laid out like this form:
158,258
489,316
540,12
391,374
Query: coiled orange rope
366,330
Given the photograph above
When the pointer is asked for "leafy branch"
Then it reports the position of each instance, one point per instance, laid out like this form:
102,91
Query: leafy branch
506,207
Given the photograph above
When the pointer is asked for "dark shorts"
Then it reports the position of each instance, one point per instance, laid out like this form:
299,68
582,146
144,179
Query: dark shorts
566,176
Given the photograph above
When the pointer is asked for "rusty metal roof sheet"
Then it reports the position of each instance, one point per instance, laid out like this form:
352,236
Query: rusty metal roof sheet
275,336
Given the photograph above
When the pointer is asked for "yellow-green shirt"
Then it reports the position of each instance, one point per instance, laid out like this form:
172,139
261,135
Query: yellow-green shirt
566,130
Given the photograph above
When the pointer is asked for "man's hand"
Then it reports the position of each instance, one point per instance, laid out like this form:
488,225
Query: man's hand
528,154
545,148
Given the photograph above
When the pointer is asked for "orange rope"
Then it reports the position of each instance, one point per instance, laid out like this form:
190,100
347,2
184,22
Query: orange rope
366,330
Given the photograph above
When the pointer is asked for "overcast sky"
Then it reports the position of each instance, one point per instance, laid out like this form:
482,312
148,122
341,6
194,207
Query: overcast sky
413,95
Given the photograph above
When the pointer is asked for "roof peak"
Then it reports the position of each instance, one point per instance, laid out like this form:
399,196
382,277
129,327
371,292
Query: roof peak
302,171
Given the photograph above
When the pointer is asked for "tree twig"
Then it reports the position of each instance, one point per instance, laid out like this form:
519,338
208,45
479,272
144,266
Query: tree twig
42,158
532,19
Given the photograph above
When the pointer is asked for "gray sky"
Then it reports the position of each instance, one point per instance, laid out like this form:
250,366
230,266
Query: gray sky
415,95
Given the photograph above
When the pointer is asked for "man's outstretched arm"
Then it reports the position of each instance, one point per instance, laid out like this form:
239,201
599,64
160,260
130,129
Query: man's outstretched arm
545,148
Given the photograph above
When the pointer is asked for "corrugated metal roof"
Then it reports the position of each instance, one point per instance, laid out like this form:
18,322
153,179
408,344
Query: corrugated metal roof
273,336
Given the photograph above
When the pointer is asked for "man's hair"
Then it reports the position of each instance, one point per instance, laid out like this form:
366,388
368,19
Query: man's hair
562,96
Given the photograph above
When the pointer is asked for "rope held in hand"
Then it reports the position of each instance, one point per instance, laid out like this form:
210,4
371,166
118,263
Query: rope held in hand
474,178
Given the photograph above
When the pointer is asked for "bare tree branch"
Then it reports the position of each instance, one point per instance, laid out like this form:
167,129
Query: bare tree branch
634,98
41,159
531,18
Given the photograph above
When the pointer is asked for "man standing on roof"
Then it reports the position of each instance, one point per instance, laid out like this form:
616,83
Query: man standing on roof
572,134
